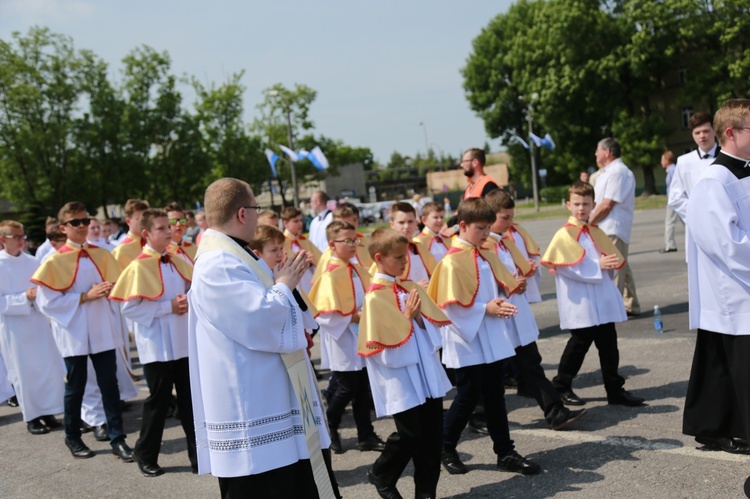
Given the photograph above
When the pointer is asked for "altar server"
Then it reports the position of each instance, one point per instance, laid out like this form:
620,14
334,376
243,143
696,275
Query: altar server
34,364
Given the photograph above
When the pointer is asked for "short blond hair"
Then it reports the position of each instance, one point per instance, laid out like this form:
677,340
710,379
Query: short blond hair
335,228
135,205
345,210
432,207
384,241
731,115
265,234
266,216
223,198
6,225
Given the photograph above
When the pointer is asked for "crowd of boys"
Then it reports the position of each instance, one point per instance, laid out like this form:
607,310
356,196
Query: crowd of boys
402,317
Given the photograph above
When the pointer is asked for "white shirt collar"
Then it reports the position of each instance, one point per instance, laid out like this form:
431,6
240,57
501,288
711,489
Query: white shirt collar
711,152
385,277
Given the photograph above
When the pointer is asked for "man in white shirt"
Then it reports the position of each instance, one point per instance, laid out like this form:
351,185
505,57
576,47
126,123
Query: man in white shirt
46,247
615,204
717,404
323,218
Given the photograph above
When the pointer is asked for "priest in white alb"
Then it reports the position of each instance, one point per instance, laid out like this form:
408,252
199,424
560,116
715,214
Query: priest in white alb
258,418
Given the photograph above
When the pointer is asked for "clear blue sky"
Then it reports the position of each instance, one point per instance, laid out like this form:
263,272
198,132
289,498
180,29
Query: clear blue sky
380,68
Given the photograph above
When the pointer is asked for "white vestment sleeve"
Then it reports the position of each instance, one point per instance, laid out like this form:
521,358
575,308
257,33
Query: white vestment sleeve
61,307
267,316
467,319
15,304
145,311
677,197
712,222
584,271
334,324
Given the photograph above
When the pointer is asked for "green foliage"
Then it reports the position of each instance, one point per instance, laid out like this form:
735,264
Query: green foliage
68,131
598,67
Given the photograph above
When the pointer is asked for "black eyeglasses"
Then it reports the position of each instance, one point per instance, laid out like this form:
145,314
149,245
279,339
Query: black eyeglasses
22,237
257,209
78,221
350,242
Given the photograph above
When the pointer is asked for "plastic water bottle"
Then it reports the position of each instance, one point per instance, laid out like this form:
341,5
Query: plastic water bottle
658,322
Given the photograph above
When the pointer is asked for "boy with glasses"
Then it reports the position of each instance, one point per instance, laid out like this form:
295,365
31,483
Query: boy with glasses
73,286
338,295
178,223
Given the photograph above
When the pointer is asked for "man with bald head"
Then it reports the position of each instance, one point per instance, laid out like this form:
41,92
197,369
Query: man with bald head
258,419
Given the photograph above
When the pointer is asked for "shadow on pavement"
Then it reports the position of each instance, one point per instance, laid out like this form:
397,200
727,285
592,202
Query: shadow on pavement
566,469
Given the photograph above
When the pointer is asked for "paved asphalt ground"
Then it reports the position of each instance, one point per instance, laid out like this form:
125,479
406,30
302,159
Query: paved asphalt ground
612,452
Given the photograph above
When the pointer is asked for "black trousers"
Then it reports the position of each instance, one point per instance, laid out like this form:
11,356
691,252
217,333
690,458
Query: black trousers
529,362
105,366
418,437
604,336
295,481
161,377
717,403
354,387
483,381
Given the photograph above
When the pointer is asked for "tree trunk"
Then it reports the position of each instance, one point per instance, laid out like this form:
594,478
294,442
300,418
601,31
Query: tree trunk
649,183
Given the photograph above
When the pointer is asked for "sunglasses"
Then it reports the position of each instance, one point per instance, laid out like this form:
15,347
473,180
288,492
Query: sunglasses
176,221
78,221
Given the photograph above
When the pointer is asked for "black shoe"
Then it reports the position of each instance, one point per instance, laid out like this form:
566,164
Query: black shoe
122,451
452,463
570,398
100,433
478,424
37,427
731,445
568,417
13,401
523,392
78,449
148,470
51,422
85,427
336,442
373,442
670,250
384,490
625,398
516,463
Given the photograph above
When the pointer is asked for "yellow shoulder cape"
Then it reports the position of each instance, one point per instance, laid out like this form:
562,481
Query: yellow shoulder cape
565,251
128,250
186,248
59,271
303,243
143,278
334,291
524,267
456,278
428,240
383,324
531,246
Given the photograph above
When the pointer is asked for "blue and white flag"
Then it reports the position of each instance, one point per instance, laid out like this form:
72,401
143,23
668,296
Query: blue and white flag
292,155
548,142
318,159
520,141
535,139
272,159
